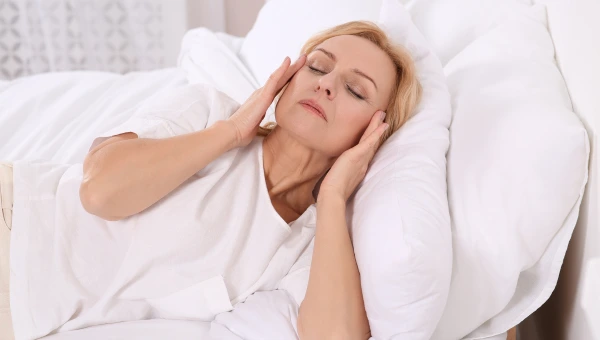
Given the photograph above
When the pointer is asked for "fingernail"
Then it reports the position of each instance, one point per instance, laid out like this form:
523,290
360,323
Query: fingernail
383,114
386,126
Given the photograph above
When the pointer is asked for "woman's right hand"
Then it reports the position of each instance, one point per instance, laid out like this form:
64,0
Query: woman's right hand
247,118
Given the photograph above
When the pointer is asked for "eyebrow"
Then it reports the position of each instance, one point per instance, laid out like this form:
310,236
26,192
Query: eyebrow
357,71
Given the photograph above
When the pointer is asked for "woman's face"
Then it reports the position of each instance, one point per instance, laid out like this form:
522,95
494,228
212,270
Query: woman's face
348,79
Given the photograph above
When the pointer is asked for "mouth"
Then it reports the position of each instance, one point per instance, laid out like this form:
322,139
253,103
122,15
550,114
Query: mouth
314,107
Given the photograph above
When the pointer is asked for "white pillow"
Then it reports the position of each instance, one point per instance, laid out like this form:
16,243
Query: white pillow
399,218
517,168
212,58
450,26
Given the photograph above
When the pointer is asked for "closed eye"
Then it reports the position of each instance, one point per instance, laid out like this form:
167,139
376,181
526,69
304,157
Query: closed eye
354,93
317,71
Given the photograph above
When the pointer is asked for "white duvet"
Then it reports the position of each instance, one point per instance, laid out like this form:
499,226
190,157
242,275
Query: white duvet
55,116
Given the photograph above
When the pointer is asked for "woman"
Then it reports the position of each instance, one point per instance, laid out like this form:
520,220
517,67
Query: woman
171,216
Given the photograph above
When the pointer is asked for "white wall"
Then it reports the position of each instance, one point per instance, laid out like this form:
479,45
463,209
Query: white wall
173,25
241,15
206,13
235,17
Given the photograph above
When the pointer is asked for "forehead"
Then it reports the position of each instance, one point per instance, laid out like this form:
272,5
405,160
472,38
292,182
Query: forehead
360,53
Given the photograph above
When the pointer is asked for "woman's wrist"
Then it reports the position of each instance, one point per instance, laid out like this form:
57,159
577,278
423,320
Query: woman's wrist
331,198
227,132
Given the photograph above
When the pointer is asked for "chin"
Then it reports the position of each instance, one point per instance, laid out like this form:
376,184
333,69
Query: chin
310,131
304,131
311,138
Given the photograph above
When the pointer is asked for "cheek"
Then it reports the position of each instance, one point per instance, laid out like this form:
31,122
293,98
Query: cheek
289,92
296,90
300,81
356,119
350,126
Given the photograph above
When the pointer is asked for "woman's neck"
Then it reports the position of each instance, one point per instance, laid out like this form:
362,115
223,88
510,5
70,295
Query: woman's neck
292,170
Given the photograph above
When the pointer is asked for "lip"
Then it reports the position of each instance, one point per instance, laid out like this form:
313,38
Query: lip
312,105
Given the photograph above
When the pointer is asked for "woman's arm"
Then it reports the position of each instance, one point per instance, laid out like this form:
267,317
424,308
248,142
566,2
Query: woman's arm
126,177
333,307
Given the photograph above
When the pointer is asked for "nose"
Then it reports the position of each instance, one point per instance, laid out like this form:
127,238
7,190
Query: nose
326,83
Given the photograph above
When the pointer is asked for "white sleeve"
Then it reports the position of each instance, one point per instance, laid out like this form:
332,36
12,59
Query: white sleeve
296,281
173,112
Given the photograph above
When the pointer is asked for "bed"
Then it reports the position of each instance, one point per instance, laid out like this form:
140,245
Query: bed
36,112
572,311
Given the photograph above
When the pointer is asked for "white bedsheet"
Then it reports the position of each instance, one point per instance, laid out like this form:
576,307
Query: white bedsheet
145,329
264,315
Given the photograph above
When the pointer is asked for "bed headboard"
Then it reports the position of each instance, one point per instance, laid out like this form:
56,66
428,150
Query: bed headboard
569,312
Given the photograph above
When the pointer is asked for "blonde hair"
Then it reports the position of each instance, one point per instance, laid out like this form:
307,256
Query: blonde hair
405,95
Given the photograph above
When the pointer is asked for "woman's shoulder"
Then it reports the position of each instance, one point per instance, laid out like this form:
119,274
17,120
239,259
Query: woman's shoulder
242,160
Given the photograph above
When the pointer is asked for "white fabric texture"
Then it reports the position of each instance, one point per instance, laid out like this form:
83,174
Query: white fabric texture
399,217
56,116
517,168
502,336
450,26
264,315
212,58
156,329
39,117
190,256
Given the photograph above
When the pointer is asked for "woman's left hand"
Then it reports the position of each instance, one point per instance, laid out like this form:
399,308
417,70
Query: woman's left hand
351,166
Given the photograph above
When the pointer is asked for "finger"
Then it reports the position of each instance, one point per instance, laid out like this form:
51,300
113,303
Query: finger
372,141
289,73
376,121
271,84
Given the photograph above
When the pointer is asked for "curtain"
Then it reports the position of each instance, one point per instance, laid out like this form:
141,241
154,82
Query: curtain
111,35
